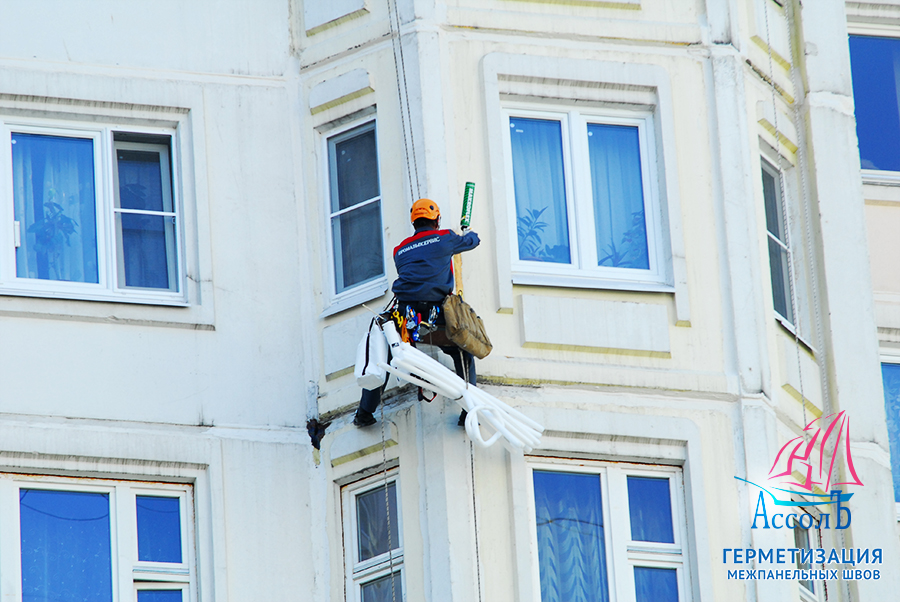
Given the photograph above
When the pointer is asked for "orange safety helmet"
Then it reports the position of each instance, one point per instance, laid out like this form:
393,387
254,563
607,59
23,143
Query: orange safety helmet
424,208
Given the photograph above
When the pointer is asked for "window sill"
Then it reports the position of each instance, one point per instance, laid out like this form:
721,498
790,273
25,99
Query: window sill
793,332
100,296
880,178
574,281
345,301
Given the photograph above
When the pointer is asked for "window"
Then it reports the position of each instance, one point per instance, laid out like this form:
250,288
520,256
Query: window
373,540
604,527
93,214
355,209
585,195
779,247
98,540
890,376
873,62
805,539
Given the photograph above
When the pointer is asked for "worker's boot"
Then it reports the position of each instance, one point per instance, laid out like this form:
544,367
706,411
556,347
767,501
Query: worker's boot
462,418
363,418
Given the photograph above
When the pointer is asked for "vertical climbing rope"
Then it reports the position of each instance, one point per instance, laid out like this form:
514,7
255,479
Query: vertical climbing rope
387,506
409,143
799,125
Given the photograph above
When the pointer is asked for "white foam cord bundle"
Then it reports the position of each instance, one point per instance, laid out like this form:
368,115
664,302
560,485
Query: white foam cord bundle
512,428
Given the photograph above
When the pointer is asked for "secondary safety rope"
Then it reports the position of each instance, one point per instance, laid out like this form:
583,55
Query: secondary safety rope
465,364
409,143
802,165
387,506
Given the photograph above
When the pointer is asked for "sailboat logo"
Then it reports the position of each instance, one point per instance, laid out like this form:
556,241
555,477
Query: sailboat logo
800,465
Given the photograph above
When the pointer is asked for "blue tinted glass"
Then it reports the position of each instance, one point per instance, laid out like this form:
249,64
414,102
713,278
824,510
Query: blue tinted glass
159,595
650,506
874,64
383,590
618,190
148,248
159,528
801,542
890,376
540,187
571,554
53,197
655,585
65,539
372,522
140,181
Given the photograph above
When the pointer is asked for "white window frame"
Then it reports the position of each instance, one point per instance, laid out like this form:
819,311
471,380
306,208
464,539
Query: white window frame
778,174
875,30
366,291
109,287
129,575
815,541
622,553
584,271
358,573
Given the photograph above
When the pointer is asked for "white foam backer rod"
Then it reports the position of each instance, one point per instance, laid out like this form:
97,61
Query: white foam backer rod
512,428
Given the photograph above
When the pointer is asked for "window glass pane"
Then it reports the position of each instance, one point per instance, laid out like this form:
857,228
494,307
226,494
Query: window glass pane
372,524
158,528
380,589
890,375
571,554
778,255
65,538
140,181
540,188
650,506
875,63
355,160
618,191
655,585
148,249
159,595
358,246
801,542
54,201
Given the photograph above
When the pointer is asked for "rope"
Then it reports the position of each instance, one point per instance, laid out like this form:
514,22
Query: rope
409,143
785,216
387,506
465,365
801,156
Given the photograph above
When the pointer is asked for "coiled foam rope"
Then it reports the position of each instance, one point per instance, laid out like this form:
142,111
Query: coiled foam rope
511,427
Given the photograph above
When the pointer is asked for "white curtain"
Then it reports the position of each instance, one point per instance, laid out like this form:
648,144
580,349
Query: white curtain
619,217
54,201
540,188
571,552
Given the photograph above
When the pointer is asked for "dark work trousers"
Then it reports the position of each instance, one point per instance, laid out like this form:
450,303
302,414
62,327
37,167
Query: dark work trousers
369,400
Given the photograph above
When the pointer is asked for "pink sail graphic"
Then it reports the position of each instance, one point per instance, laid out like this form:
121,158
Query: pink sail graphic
814,466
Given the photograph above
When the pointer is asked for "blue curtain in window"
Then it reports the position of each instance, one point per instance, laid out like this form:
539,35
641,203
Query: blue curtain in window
54,201
569,515
618,191
890,376
540,188
875,66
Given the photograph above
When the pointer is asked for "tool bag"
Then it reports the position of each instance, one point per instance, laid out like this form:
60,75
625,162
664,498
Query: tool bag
371,350
465,328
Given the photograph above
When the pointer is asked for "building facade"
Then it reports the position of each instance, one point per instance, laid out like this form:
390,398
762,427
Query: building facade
687,256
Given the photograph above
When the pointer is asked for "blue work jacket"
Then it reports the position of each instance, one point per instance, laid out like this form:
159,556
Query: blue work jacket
424,263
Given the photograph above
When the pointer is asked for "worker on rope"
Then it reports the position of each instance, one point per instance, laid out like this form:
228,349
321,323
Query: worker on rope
424,278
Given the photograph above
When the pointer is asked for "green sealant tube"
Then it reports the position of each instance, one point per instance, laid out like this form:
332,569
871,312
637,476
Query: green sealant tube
468,200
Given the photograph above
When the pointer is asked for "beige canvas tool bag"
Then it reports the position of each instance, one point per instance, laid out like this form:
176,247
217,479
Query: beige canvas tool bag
465,328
